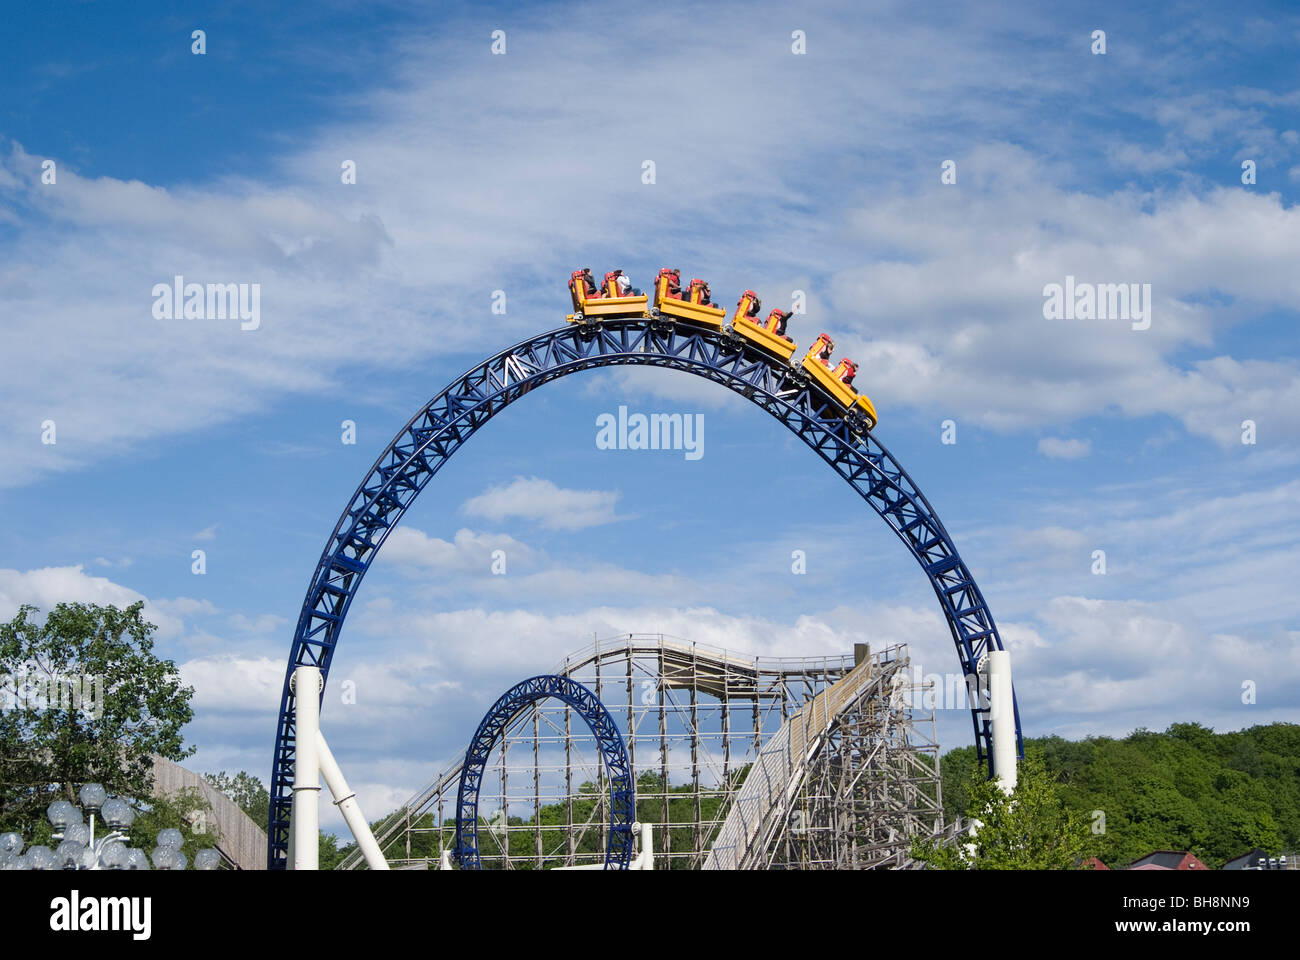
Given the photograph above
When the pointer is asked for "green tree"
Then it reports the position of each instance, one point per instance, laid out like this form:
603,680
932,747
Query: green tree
1032,829
185,811
246,791
251,795
1216,795
329,854
89,701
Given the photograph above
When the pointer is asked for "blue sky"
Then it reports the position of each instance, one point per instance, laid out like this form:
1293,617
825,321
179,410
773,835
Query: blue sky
818,172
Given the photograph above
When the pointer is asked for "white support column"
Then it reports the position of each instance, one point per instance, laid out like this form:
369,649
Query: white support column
1003,716
306,769
646,858
346,800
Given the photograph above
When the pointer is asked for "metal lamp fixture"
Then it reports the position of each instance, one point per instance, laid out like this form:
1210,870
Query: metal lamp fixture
78,848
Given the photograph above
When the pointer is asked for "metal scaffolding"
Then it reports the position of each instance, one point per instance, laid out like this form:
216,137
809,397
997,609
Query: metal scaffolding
869,787
696,720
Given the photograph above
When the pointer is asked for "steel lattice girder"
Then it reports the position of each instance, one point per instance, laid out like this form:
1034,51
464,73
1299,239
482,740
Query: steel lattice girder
434,434
622,807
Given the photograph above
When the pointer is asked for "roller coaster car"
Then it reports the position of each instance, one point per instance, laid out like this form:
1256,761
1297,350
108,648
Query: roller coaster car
617,285
838,382
745,323
867,409
694,309
591,303
698,292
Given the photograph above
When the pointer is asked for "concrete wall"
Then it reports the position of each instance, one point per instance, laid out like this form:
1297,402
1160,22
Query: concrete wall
241,841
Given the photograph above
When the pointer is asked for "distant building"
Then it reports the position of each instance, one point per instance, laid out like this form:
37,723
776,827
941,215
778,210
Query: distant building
1168,860
1257,859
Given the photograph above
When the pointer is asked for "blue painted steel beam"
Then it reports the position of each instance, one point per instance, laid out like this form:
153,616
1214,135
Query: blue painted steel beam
622,799
443,425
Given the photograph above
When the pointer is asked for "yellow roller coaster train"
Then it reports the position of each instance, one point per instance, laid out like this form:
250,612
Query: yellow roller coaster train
616,298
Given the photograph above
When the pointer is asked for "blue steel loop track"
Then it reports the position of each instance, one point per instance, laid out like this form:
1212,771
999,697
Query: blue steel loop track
622,800
435,433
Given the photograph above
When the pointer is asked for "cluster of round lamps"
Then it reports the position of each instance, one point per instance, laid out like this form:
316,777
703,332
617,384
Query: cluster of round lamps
78,849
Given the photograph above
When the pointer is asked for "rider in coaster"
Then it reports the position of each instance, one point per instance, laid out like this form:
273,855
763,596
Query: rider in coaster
703,287
674,276
625,288
777,321
584,277
755,304
828,347
610,287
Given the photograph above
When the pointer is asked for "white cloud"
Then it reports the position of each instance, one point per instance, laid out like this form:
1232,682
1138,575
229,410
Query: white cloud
953,301
49,586
468,551
1051,547
1134,157
1122,663
1059,448
467,568
1219,547
487,647
671,386
207,533
227,683
942,305
542,502
261,625
595,580
186,606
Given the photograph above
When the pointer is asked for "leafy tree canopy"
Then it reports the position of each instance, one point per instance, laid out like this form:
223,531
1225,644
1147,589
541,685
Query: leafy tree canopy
246,791
85,699
1030,829
1216,795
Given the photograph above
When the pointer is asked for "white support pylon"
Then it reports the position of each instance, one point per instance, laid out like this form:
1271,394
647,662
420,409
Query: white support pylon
645,860
304,824
1003,716
346,800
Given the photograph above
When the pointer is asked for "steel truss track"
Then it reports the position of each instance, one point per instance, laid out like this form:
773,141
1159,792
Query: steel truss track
622,805
434,434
